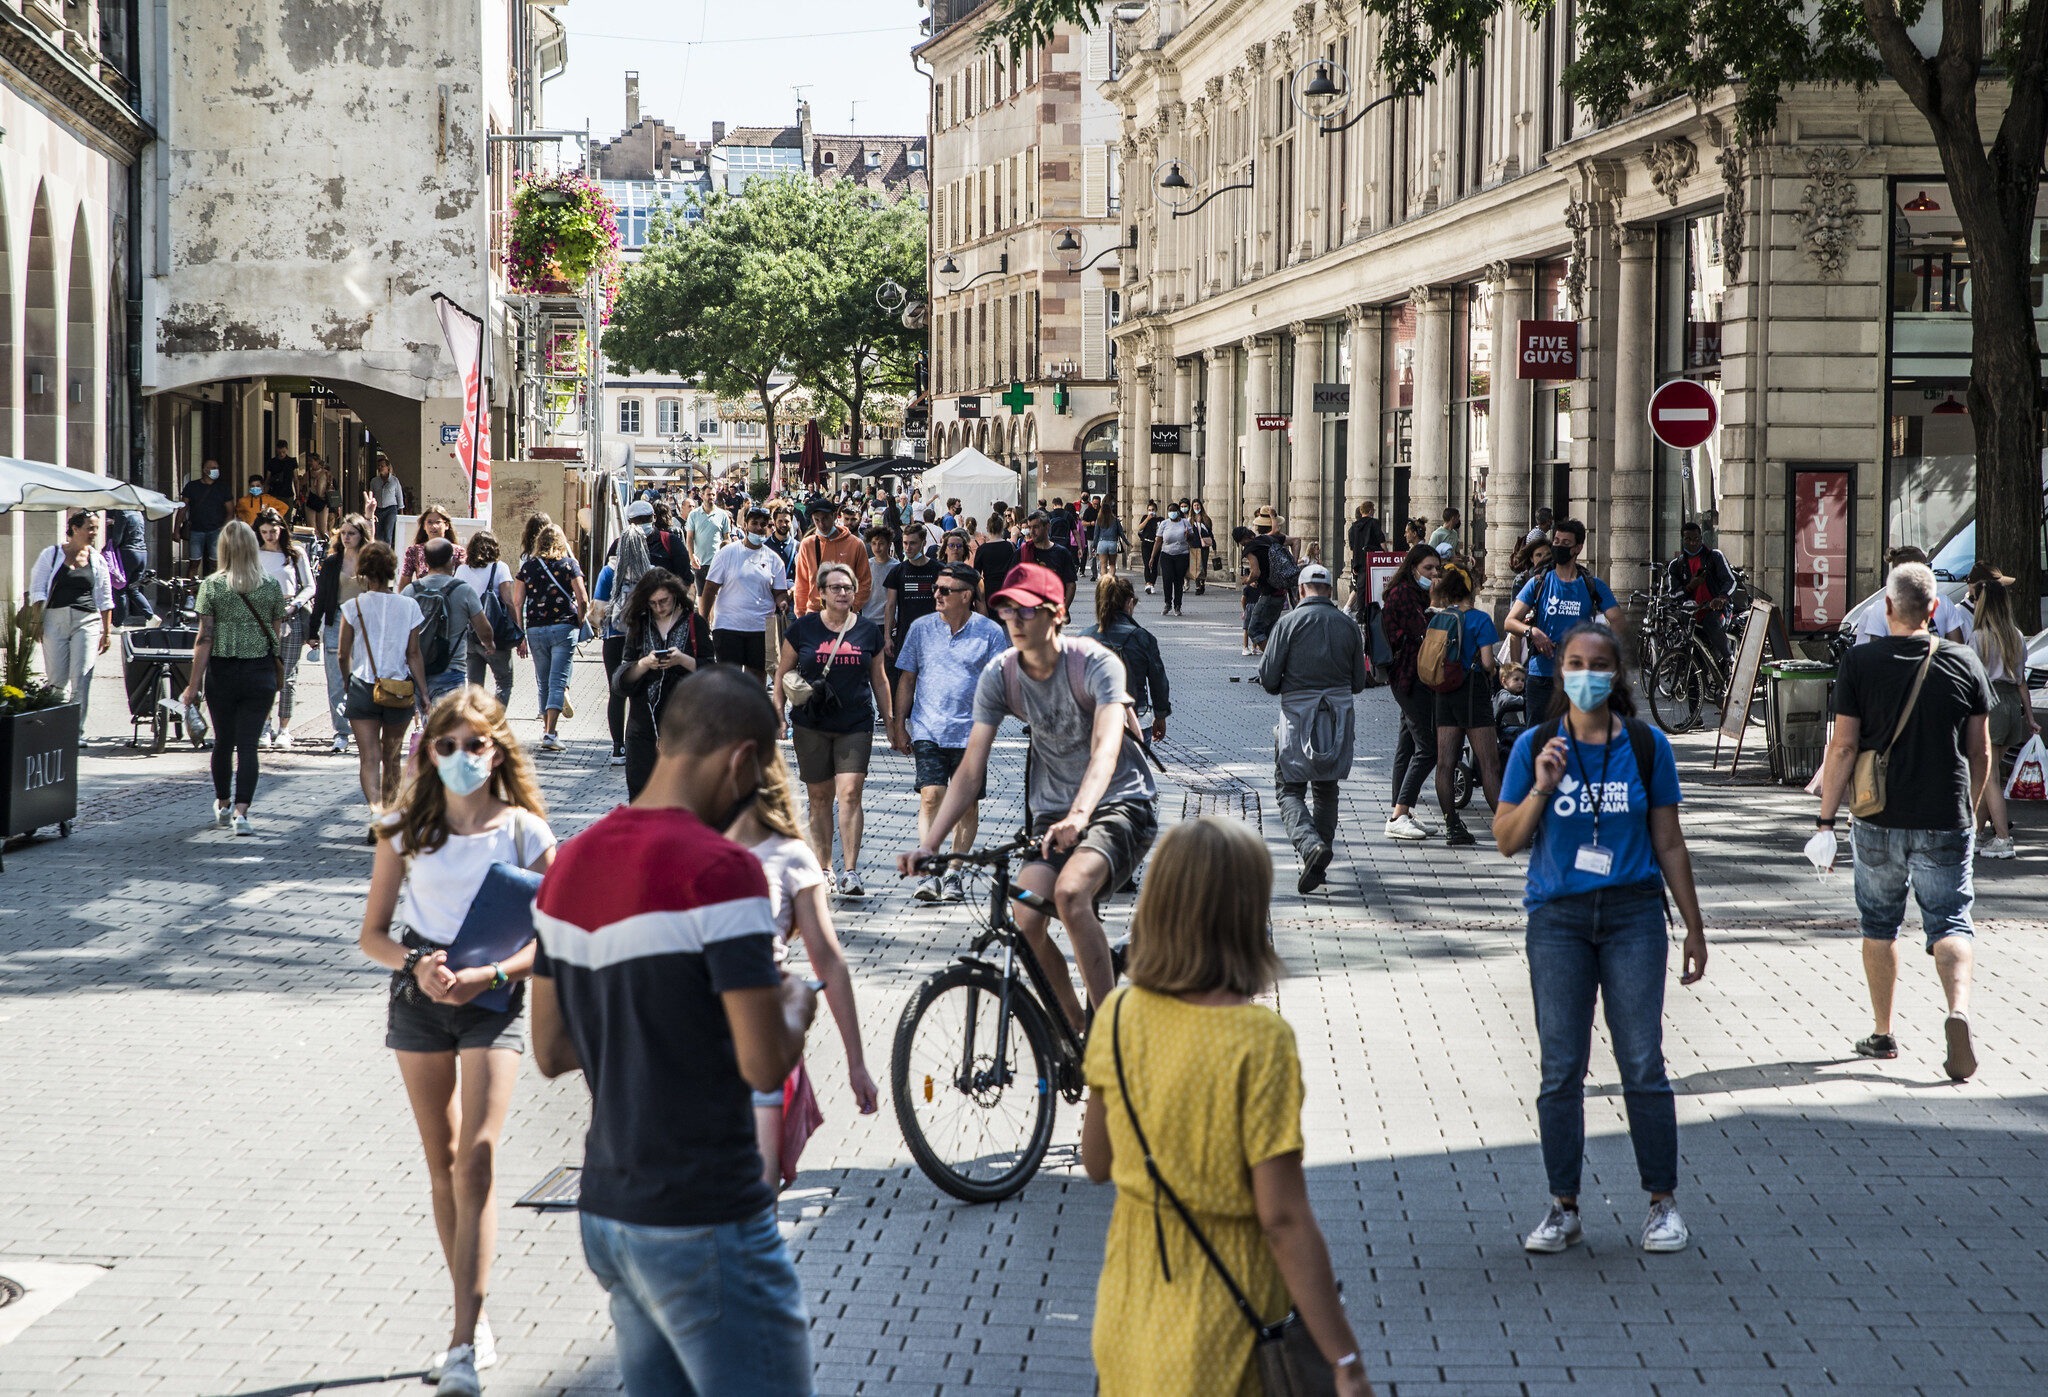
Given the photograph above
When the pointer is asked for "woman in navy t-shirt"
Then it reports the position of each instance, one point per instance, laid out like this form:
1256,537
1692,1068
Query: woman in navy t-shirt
1604,844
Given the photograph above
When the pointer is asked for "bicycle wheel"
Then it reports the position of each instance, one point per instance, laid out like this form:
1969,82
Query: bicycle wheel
976,1127
1675,693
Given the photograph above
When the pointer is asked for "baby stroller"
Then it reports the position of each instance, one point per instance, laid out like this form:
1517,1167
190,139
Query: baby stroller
1510,717
156,665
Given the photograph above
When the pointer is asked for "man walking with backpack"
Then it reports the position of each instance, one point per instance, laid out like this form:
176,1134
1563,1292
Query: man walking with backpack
453,614
1270,574
1550,604
1315,662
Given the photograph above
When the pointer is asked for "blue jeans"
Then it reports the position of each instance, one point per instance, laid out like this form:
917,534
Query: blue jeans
710,1310
1610,943
552,648
1934,862
446,682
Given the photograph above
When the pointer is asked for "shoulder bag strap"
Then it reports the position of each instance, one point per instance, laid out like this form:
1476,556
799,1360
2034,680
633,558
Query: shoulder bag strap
1912,698
269,636
1161,1187
369,650
547,566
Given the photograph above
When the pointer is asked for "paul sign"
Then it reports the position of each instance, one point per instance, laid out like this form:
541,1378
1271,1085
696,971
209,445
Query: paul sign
1546,349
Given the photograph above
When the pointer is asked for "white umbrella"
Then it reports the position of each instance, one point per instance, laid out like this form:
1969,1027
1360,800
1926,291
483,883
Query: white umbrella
40,485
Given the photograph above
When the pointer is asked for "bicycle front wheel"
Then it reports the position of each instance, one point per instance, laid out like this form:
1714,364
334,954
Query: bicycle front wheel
973,1085
1675,693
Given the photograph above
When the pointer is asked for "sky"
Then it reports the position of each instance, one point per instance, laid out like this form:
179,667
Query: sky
711,60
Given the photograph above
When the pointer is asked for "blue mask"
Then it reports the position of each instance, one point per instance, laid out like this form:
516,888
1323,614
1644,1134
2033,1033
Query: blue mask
757,539
1588,688
464,773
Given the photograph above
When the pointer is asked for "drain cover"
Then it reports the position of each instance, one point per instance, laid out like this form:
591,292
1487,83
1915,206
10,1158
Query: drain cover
10,1291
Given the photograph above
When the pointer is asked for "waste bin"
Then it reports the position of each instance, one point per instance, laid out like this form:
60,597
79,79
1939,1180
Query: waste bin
1796,717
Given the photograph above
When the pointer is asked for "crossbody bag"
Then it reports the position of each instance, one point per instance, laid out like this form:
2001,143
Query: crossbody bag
1867,781
803,692
269,637
385,693
1290,1364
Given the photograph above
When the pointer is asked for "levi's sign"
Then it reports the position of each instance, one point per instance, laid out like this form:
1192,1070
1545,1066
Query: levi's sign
1546,349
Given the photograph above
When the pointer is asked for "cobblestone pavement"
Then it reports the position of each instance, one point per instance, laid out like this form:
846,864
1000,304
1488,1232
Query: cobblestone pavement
196,1099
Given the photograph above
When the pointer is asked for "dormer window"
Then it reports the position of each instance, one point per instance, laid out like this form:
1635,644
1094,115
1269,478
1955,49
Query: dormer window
874,160
831,157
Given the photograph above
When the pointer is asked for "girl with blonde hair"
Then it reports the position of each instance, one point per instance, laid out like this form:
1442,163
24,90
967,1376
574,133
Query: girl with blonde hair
799,895
241,623
1194,1111
548,590
472,804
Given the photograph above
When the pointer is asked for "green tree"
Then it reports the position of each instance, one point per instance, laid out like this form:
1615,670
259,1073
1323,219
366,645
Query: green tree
1983,92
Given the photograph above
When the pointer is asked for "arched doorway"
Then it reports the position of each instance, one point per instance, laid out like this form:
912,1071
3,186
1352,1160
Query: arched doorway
81,356
1099,459
40,378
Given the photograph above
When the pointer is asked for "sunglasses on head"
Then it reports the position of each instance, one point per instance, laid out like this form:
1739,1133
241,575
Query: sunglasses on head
475,746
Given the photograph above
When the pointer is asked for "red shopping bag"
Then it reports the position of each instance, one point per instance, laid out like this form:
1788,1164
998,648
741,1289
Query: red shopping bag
2029,779
800,1119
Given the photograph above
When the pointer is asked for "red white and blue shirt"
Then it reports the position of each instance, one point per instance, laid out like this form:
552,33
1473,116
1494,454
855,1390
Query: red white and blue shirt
645,919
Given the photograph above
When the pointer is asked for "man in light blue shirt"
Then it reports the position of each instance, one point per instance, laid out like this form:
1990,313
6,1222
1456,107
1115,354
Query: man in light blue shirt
941,661
707,529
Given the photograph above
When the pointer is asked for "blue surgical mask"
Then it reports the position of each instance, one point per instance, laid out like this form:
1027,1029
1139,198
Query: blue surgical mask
464,773
1173,514
756,539
1588,688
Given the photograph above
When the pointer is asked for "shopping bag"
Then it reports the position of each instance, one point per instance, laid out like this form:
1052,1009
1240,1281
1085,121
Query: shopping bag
800,1119
2029,779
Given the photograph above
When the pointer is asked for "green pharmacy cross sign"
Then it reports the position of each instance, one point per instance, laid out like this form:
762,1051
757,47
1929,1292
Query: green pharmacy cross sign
1059,398
1016,400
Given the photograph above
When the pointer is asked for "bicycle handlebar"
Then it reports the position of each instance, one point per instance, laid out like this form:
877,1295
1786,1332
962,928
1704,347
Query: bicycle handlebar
987,858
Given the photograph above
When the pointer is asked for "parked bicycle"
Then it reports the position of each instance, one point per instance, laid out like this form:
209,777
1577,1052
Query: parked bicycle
982,1051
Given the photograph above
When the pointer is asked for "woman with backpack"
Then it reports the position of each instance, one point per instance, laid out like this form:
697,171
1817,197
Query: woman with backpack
662,639
549,595
241,613
1404,618
1463,636
1593,795
615,583
485,571
1116,626
285,561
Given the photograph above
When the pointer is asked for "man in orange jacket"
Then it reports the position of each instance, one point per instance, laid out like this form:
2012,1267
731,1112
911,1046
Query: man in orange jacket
829,542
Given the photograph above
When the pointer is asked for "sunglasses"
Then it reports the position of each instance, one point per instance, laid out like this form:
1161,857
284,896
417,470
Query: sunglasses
475,746
1022,613
953,591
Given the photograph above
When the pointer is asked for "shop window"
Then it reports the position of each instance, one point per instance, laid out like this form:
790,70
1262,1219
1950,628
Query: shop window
1471,404
1397,405
1550,448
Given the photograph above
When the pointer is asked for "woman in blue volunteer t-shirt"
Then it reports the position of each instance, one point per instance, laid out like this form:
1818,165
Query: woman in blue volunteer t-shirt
1466,710
1604,844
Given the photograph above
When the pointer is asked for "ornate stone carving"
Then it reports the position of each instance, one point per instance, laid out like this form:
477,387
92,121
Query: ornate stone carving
1734,209
1213,86
1578,218
1827,208
1255,56
1671,163
1421,297
1497,273
1305,17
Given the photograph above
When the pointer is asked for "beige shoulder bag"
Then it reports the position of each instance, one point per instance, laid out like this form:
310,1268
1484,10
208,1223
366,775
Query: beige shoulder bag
1867,781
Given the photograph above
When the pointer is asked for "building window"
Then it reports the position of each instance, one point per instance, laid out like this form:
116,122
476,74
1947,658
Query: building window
874,160
831,157
1397,404
707,426
629,417
1691,282
668,417
916,159
747,431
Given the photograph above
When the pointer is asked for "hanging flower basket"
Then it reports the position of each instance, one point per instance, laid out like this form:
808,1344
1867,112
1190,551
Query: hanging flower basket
564,231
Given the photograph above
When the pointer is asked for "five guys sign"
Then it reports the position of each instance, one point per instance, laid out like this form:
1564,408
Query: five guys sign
1546,349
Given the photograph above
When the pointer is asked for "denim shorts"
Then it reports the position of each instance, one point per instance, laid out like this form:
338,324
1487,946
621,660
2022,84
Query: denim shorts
1933,863
416,1024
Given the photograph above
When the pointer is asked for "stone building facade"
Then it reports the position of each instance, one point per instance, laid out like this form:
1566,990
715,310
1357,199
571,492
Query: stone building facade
1368,296
1026,248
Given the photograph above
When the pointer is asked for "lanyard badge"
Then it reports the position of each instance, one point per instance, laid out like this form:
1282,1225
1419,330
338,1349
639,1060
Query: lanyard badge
1592,858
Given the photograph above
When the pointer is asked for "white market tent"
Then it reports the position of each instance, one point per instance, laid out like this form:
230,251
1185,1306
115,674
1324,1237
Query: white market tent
38,485
975,480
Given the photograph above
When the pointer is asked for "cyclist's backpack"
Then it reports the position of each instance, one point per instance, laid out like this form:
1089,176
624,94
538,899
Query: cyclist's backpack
1440,664
436,646
1074,660
1282,571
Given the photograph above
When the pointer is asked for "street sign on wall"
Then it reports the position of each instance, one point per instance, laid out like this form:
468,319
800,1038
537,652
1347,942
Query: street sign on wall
1546,349
1169,439
1333,397
1821,500
1683,414
1273,422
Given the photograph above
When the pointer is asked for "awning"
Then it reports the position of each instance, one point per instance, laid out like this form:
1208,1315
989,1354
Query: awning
40,485
883,465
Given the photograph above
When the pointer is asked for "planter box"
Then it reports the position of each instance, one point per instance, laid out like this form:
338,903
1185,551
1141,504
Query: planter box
39,753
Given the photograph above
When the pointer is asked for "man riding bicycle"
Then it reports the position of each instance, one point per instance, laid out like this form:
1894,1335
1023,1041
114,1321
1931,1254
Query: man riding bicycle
1701,574
1089,793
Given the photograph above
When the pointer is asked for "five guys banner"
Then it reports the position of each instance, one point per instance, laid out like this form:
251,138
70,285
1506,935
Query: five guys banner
1820,548
465,336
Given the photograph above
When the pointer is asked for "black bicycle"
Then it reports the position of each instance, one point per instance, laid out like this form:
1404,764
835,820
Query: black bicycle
982,1051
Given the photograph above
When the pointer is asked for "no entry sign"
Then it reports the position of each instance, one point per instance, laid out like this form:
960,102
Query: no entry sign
1683,414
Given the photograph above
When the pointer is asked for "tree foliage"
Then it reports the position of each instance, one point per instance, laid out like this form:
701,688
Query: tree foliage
856,347
1026,24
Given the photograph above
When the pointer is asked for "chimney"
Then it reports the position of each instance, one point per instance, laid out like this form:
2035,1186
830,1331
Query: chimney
632,99
805,141
717,132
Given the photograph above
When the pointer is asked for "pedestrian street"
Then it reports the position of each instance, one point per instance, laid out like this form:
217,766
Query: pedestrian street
202,1132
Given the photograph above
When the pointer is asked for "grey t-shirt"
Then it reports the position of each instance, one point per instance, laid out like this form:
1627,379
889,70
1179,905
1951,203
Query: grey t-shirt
462,603
1061,728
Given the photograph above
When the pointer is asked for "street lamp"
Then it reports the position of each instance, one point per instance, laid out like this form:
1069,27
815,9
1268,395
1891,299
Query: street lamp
1175,191
1320,90
1067,249
950,268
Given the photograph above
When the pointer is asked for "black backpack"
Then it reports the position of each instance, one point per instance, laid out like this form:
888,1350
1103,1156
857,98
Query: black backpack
437,647
1639,740
1280,568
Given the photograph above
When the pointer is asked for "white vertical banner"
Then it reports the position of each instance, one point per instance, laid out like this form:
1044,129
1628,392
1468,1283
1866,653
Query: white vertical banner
465,336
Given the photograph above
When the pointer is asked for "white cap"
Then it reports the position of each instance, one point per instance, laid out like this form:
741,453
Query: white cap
639,510
1315,574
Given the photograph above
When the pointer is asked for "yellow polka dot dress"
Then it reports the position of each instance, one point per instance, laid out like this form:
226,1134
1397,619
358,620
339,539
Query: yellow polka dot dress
1218,1091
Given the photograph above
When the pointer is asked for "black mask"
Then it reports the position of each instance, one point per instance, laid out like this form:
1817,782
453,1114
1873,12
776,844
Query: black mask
740,807
1560,553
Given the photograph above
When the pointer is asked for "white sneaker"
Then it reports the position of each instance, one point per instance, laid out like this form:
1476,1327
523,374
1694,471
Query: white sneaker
340,745
927,891
485,1349
458,1374
1245,649
1998,848
1148,589
1665,1229
222,815
269,738
242,825
1559,1229
850,885
954,888
1406,827
550,743
618,756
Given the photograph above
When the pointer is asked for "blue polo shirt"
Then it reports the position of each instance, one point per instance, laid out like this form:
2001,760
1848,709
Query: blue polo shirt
1625,802
1559,605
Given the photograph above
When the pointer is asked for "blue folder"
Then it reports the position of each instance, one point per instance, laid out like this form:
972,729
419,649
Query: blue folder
499,924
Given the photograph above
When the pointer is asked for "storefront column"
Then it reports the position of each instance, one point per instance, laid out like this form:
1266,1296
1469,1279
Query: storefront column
1180,468
1362,453
1507,484
1305,484
1218,485
1429,479
1259,446
1130,450
1627,546
1145,478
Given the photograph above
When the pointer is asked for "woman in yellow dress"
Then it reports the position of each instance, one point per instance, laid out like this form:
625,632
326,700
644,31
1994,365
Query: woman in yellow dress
1216,1086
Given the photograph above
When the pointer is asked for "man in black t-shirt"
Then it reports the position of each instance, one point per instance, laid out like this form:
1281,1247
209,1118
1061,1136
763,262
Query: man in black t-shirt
910,585
1934,775
994,559
206,503
1041,549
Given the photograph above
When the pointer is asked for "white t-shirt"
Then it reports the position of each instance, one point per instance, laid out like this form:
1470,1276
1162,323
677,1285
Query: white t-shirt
1948,619
440,886
483,580
292,579
383,622
748,579
791,867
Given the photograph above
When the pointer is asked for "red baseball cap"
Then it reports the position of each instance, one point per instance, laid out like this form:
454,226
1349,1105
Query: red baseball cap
1033,585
